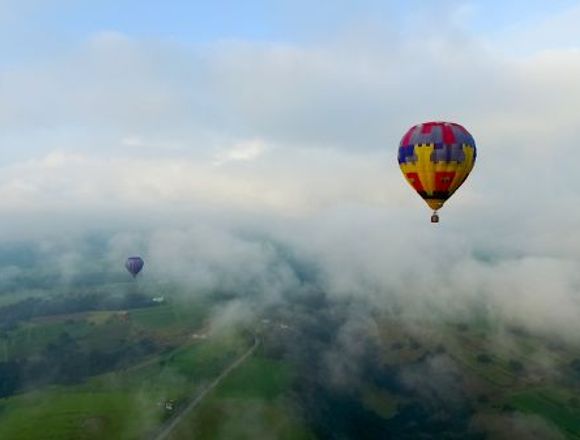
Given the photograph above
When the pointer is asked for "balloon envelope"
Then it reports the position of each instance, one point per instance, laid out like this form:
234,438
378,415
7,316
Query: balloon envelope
134,265
436,158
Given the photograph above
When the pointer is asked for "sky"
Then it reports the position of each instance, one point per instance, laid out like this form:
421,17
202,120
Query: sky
189,129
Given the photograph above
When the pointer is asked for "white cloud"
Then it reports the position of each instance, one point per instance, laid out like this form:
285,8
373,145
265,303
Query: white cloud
241,151
133,141
546,32
127,133
284,122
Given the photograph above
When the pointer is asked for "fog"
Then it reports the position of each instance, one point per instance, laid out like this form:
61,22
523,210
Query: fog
267,170
229,163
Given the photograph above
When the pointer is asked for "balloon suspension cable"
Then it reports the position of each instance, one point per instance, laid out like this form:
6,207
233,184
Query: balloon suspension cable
435,217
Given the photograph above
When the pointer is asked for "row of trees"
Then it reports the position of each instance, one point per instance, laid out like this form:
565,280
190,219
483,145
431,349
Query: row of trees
30,308
65,362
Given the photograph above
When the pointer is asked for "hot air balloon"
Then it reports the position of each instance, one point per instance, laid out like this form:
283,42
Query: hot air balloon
436,158
134,265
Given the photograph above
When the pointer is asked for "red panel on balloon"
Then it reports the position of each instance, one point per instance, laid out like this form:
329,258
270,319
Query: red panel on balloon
415,181
443,180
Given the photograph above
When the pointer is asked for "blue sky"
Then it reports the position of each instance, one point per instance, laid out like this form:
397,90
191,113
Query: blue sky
33,28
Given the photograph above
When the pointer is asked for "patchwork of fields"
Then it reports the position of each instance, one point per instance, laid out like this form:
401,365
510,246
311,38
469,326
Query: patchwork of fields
129,401
147,363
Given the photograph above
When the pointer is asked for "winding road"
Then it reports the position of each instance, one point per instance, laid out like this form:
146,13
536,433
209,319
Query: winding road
166,430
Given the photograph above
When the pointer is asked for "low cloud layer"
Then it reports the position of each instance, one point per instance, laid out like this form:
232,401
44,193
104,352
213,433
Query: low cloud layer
248,166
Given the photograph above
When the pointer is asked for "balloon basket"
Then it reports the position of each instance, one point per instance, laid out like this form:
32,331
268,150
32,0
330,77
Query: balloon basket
435,218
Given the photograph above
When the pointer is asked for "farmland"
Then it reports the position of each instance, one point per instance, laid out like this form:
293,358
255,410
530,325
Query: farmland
126,367
249,403
156,360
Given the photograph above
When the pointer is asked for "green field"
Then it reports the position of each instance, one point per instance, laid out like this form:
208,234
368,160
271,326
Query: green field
61,413
160,317
102,330
257,378
244,419
550,405
119,404
126,402
170,320
171,352
382,403
202,359
249,404
34,336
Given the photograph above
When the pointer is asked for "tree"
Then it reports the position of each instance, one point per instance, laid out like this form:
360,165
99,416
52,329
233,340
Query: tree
484,358
575,366
9,378
516,366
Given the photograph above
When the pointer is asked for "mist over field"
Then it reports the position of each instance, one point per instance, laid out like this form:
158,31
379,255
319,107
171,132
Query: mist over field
307,162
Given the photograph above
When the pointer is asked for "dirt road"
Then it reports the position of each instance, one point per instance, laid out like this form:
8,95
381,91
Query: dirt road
166,431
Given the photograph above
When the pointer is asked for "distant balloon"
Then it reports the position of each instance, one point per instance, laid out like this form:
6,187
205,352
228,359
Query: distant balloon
436,158
134,265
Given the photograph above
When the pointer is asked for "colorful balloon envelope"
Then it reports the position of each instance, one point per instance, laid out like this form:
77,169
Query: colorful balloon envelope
134,265
436,158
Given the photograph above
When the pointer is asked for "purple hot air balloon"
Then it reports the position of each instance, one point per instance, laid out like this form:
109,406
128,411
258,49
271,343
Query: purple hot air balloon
134,265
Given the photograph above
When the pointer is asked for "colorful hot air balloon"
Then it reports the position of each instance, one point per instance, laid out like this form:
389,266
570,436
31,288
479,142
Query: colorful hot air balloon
134,265
436,158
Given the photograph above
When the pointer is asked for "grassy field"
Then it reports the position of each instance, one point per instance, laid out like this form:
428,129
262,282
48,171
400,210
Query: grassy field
61,413
34,336
254,401
257,378
121,404
201,360
14,297
380,402
102,330
244,419
155,318
248,404
493,372
504,367
125,403
169,320
550,405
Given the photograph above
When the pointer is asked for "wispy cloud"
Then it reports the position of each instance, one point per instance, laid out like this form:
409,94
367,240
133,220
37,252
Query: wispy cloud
297,143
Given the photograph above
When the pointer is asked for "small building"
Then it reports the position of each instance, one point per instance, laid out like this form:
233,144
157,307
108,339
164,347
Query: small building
167,405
